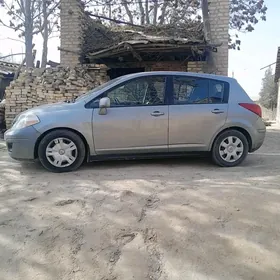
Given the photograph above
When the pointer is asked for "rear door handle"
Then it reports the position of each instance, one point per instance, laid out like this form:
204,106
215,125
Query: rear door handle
217,111
157,114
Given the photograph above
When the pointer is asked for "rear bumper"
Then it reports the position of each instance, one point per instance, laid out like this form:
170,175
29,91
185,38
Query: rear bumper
21,143
258,140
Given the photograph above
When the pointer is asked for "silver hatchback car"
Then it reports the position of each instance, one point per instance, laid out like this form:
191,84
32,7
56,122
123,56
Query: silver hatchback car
143,115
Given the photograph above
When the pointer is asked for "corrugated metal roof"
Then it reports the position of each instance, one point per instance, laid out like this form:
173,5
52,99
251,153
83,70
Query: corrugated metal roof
4,72
8,67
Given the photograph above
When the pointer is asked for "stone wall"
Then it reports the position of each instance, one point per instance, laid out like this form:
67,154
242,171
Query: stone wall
219,23
41,86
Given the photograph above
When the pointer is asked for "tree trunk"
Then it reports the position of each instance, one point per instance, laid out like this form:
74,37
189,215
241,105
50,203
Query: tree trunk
45,35
28,26
163,12
147,12
155,12
142,12
28,47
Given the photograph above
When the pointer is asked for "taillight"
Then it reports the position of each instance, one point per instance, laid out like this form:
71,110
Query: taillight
252,107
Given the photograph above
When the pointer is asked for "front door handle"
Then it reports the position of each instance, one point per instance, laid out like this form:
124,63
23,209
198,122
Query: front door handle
217,111
157,114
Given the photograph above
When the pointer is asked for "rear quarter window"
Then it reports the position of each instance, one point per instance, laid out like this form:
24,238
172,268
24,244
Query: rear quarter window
218,92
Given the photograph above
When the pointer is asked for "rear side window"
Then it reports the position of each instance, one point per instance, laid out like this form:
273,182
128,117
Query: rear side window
192,90
218,92
189,90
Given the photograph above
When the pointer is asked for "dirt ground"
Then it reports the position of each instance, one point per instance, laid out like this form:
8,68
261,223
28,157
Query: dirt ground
157,219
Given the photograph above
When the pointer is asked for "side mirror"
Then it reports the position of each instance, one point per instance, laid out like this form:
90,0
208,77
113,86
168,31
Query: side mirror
104,103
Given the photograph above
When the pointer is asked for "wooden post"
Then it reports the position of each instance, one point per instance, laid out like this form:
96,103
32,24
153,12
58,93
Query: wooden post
206,22
278,105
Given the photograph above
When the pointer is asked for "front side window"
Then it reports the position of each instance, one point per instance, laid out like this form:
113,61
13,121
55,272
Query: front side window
190,90
138,92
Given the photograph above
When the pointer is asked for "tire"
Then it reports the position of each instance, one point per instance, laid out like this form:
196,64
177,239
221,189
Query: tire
226,154
63,147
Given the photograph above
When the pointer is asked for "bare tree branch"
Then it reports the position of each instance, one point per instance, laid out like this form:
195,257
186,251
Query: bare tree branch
8,26
12,12
17,40
128,11
14,54
115,20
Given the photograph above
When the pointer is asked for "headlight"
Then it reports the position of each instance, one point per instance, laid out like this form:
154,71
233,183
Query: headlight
25,120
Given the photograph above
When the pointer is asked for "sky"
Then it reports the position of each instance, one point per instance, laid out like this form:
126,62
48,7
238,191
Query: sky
258,49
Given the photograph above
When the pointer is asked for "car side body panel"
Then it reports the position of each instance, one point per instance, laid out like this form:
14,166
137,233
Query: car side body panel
73,116
181,128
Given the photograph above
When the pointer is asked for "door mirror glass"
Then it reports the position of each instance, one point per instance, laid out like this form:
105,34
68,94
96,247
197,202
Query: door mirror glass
104,103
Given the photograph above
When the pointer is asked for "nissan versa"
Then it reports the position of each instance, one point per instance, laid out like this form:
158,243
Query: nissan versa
142,115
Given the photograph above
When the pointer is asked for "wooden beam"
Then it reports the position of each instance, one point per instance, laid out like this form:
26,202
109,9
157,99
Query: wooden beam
134,53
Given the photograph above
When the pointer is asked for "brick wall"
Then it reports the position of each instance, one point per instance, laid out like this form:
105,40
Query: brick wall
196,66
219,23
72,31
190,66
168,66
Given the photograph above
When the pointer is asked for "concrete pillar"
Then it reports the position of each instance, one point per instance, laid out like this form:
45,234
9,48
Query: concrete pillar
71,34
219,24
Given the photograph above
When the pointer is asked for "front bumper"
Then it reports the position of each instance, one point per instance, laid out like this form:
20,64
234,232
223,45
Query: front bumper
21,142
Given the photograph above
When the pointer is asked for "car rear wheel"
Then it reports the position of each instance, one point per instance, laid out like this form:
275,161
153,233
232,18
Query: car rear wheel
230,148
61,151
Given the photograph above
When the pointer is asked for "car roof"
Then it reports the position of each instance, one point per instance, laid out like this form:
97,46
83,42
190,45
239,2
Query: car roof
177,73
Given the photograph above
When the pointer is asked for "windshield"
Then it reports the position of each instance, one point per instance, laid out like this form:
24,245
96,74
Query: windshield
98,88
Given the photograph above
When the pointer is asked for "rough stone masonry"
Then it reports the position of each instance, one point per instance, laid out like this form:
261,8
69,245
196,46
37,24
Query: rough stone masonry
41,86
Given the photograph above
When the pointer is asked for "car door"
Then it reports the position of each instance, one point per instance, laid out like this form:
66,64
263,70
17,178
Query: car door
137,119
199,109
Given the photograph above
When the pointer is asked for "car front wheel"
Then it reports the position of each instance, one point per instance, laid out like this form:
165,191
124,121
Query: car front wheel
230,148
61,151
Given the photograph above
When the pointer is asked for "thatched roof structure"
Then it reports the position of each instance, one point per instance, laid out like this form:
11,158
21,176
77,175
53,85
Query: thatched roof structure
103,43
